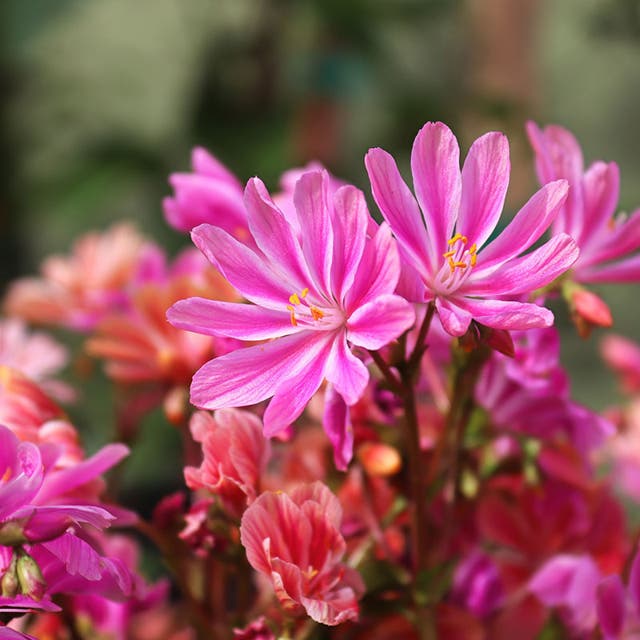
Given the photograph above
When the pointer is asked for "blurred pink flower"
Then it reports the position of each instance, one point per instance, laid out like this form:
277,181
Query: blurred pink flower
587,215
623,356
318,287
442,235
295,540
76,291
235,455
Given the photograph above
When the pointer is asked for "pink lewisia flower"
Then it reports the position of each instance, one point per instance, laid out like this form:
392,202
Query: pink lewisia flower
442,235
295,540
235,454
319,285
587,214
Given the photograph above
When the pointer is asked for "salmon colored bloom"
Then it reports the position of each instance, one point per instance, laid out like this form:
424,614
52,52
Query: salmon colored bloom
295,540
235,455
76,291
606,242
442,236
319,285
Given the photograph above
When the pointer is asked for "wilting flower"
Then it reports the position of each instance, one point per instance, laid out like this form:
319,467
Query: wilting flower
235,454
587,215
442,235
319,284
76,291
295,540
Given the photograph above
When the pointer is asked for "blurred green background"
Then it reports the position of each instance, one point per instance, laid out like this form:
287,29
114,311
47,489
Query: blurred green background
102,99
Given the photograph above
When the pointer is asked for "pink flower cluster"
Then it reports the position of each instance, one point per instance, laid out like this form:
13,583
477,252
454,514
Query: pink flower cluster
381,440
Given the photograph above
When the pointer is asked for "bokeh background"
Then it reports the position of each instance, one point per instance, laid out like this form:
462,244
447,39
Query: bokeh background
102,99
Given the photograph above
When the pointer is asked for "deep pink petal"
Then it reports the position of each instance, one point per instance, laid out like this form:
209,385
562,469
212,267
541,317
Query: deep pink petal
342,605
634,582
292,396
526,227
318,493
455,320
230,319
399,208
503,314
435,165
378,272
380,321
528,273
611,606
274,236
247,376
25,480
199,199
57,483
558,156
311,199
624,271
347,373
336,422
485,177
49,522
617,242
601,191
350,222
207,164
248,272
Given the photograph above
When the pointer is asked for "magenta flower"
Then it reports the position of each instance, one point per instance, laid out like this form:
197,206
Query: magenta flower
295,540
442,236
587,215
319,285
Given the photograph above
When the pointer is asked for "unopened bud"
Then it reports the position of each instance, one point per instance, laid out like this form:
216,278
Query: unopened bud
12,534
175,405
587,309
499,340
9,583
379,459
30,577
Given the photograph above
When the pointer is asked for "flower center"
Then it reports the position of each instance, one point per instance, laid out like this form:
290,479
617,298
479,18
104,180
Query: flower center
460,258
300,309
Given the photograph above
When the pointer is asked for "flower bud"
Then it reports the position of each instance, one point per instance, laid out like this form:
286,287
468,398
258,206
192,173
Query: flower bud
9,584
379,459
30,577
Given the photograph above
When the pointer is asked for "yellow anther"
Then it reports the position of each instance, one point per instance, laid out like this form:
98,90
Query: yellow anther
293,298
473,248
452,265
474,259
304,292
461,265
316,313
457,237
449,254
292,315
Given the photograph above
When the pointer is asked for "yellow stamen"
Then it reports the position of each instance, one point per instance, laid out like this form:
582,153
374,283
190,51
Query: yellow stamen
457,237
452,265
316,313
292,315
474,259
461,265
449,254
293,298
304,293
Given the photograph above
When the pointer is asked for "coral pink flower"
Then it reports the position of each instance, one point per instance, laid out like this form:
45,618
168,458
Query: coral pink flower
295,540
76,291
235,455
139,345
587,215
319,285
442,236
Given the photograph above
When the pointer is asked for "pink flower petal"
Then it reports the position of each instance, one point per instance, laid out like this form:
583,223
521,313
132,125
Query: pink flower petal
624,271
485,177
243,268
528,273
336,422
207,164
601,191
378,272
311,198
253,374
230,319
275,236
399,207
527,226
611,606
294,393
380,321
623,239
503,314
455,320
435,165
347,373
350,222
